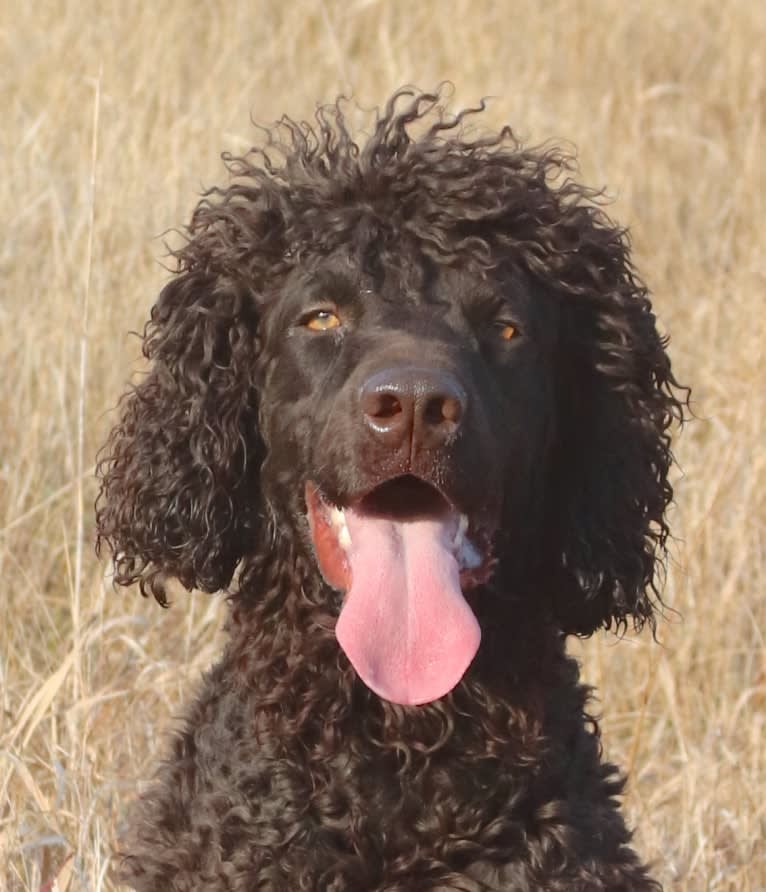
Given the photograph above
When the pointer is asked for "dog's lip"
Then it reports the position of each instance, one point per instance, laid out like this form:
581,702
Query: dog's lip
385,498
360,499
472,542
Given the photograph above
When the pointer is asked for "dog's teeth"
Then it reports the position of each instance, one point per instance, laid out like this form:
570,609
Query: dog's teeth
344,537
461,529
337,518
469,557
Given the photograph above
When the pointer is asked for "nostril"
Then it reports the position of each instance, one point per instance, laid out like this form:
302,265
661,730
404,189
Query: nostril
386,405
439,409
452,410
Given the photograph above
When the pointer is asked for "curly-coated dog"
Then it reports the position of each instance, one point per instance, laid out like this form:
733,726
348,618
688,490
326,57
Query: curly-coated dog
408,406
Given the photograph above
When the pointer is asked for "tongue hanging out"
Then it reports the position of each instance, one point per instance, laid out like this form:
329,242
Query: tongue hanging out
405,625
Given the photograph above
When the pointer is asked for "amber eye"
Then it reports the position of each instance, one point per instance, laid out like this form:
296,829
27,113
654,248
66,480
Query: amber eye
321,320
507,331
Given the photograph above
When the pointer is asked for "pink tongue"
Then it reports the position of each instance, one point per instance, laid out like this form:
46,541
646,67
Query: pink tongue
405,625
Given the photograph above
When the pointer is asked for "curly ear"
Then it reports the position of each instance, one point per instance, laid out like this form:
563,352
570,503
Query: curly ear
617,401
179,473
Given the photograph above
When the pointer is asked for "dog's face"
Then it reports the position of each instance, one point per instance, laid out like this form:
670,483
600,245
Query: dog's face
405,415
416,367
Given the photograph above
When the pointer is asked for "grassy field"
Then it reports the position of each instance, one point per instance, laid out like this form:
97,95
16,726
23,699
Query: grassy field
113,119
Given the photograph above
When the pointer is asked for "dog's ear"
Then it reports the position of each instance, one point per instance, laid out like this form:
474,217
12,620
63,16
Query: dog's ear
617,400
179,472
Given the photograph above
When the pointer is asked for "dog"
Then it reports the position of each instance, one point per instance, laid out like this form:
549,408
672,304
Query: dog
408,407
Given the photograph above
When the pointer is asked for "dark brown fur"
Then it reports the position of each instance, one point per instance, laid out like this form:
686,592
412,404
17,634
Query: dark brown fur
289,773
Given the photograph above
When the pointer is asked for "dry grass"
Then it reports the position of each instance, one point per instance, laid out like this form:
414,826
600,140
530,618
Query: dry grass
666,103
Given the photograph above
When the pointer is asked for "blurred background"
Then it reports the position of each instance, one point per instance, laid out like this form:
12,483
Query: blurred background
113,119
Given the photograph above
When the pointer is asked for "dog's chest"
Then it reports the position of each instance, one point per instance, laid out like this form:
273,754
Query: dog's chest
441,825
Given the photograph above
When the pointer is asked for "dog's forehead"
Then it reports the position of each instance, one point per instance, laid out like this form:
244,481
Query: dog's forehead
407,281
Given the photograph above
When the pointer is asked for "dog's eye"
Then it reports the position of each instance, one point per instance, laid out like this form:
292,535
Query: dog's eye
321,320
507,330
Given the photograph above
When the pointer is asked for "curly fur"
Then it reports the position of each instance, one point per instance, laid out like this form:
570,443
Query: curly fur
289,773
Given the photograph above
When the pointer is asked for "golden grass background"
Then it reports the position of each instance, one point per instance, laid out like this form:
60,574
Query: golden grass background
113,116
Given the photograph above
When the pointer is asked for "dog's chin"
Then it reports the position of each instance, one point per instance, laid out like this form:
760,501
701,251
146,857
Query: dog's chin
402,500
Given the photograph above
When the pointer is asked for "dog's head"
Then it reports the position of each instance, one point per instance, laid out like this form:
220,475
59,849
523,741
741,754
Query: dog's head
425,361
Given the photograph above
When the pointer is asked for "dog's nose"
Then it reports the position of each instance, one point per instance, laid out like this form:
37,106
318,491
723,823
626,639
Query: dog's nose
416,406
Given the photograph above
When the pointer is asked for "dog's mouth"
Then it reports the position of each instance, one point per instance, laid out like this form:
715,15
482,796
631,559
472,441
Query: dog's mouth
403,554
